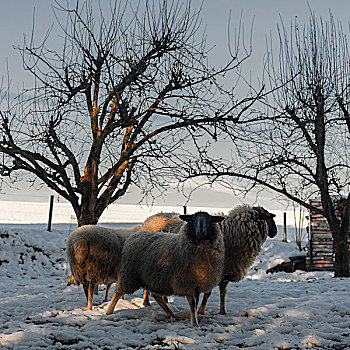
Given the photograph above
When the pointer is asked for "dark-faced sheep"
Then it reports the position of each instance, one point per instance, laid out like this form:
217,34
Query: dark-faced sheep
94,255
183,264
244,229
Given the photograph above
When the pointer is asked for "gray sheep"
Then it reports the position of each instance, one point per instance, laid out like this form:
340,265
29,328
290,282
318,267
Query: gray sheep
244,229
160,222
94,255
184,264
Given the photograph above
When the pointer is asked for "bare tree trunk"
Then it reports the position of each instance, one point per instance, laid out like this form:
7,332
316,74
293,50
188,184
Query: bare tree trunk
340,239
87,219
341,254
85,213
88,208
338,220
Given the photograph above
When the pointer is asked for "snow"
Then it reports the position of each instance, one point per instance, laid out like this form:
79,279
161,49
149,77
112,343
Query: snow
38,310
36,212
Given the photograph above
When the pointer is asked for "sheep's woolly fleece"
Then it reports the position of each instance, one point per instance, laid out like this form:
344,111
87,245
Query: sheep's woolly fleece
244,234
168,222
281,311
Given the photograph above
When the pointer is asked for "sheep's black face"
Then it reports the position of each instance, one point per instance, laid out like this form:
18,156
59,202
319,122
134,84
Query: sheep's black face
200,225
268,217
272,225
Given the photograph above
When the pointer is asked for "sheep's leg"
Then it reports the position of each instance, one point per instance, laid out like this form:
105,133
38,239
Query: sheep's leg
163,305
204,303
193,308
90,295
146,298
86,288
108,286
196,295
116,296
223,291
96,289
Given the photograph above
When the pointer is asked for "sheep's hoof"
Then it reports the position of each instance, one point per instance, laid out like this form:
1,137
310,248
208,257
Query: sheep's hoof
85,309
182,315
201,311
146,304
109,312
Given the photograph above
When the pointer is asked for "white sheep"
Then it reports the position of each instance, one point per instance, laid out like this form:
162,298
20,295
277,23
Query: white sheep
184,264
244,229
94,255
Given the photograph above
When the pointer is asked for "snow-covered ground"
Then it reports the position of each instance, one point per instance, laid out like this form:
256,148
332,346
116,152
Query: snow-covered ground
280,311
38,212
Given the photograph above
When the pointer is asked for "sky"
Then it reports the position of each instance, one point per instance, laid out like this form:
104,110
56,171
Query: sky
16,20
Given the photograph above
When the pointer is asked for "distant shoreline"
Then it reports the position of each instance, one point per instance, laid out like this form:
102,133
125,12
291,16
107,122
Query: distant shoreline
23,212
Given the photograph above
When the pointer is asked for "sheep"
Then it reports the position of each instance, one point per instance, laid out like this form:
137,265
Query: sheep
184,264
94,255
244,230
165,222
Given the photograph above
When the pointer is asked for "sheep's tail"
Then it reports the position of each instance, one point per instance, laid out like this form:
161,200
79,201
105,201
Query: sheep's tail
77,255
81,251
71,280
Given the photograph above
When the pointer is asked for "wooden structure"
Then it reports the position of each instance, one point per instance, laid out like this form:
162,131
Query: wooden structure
320,253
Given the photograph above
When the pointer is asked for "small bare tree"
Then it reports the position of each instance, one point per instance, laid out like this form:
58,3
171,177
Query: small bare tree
118,103
299,145
299,230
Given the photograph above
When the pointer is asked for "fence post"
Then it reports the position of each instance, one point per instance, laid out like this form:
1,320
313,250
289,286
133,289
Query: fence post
50,213
185,209
284,227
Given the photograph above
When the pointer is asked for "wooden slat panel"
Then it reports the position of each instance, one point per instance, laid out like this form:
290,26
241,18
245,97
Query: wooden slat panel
321,244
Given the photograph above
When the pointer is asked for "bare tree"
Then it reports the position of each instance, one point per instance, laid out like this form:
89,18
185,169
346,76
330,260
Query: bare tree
299,229
119,103
299,145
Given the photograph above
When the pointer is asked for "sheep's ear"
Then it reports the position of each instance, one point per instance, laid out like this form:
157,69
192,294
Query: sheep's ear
186,217
262,216
217,218
266,215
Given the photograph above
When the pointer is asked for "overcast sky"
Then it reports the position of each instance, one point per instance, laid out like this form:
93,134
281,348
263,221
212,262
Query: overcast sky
16,19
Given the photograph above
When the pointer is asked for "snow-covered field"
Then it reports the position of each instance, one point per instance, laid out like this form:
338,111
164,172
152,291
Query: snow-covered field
280,311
